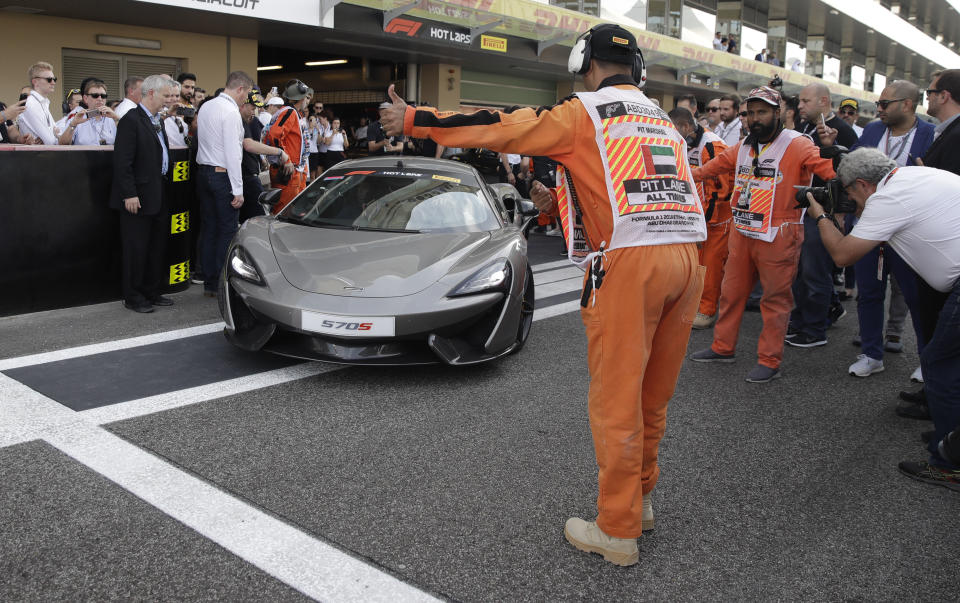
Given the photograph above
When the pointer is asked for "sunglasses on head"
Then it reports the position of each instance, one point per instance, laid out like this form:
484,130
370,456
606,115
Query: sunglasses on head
883,104
97,94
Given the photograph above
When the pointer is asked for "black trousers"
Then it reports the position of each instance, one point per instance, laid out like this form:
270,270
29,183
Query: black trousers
144,240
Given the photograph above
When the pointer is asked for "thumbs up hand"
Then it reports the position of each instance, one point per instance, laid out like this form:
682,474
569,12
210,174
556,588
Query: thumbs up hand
391,118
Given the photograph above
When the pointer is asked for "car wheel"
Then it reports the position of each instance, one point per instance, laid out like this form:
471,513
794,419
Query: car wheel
527,303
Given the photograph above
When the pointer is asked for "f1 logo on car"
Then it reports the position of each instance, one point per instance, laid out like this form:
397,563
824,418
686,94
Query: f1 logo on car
403,26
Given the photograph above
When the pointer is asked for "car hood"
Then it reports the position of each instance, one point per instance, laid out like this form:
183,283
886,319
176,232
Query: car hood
366,263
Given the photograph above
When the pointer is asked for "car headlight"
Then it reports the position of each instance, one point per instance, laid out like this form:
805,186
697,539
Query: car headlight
492,277
242,266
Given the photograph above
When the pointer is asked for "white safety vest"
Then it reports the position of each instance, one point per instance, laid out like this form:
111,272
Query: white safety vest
755,188
694,154
652,195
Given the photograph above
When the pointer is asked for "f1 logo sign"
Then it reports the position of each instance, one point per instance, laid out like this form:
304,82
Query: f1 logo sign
400,26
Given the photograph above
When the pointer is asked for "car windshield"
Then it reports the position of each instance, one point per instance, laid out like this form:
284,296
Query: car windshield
393,201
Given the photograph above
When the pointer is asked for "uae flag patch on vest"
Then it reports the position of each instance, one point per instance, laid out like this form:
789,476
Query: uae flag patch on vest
659,160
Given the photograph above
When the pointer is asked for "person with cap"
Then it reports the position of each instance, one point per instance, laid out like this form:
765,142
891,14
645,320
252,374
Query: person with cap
270,108
286,132
378,142
704,146
220,178
252,150
630,213
768,229
850,112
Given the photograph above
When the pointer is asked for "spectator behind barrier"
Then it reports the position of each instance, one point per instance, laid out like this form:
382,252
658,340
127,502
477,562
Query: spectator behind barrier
37,120
186,110
175,126
71,103
9,132
728,129
131,93
916,210
95,125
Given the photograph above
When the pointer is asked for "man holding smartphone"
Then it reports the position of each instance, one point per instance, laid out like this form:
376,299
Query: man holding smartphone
97,125
36,119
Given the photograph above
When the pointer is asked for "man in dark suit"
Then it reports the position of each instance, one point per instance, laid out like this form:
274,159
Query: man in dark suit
943,102
141,162
943,98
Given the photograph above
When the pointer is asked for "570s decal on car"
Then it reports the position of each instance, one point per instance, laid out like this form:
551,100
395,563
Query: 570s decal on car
348,326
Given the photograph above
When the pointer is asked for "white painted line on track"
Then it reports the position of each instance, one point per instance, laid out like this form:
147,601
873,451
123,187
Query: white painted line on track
107,346
556,310
551,265
203,393
562,274
564,286
297,559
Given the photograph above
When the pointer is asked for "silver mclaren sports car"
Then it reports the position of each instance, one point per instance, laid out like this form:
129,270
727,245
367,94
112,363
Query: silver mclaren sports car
390,260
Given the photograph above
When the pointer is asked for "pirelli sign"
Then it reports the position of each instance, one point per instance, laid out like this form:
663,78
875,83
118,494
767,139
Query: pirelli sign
493,43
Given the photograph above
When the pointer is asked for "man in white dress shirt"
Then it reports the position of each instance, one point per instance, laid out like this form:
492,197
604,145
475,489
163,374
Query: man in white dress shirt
36,119
97,125
729,127
220,183
131,93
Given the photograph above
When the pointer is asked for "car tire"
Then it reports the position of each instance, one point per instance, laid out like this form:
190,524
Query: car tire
527,305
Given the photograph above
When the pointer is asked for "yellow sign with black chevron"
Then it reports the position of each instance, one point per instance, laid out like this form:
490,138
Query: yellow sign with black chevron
181,171
179,272
180,222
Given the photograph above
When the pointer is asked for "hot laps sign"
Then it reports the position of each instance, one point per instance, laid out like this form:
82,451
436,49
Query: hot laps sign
306,12
418,29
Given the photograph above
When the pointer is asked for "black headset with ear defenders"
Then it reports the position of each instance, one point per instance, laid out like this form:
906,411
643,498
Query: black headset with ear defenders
66,99
579,60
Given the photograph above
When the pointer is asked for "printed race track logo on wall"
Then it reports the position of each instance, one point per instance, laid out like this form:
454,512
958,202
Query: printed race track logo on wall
179,272
180,222
403,26
181,171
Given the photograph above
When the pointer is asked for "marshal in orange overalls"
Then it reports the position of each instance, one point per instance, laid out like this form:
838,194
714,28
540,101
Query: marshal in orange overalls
639,320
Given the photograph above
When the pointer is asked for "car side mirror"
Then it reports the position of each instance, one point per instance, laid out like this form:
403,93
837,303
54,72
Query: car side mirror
270,197
528,209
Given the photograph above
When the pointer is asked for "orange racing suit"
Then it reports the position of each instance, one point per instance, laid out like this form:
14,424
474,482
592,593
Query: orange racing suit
284,132
715,195
774,261
638,319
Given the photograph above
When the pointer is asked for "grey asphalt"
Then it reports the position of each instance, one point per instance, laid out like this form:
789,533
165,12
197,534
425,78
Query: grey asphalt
68,534
459,481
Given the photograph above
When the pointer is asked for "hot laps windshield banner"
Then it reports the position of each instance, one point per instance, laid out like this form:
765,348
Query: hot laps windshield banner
305,12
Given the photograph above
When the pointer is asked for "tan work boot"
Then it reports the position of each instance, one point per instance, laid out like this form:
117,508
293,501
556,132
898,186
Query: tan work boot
586,536
647,517
702,321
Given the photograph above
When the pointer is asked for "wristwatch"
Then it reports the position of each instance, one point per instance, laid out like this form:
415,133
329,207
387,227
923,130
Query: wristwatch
822,217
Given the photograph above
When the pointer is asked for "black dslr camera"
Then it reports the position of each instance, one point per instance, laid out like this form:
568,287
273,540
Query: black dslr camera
832,195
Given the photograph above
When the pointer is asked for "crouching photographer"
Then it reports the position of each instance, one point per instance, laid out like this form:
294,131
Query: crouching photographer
915,210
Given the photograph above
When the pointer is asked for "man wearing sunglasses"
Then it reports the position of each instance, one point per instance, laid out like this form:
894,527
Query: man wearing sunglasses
902,137
850,112
713,114
36,119
943,102
97,125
